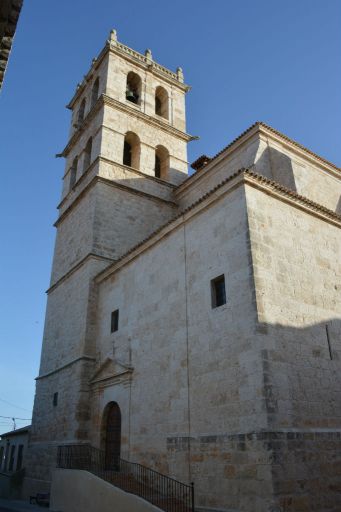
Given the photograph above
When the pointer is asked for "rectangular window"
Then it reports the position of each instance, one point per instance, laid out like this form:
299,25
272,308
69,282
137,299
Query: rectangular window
11,459
114,321
55,399
20,454
218,291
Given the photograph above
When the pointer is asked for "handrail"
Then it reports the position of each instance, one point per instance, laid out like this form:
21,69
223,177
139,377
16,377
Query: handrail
163,491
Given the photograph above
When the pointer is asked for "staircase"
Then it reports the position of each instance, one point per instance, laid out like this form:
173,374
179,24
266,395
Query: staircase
162,491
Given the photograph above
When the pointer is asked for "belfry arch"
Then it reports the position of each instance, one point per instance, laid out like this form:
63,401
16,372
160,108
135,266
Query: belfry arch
161,102
161,162
131,150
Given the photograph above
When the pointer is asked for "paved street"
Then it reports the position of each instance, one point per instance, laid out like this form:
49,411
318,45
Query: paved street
19,506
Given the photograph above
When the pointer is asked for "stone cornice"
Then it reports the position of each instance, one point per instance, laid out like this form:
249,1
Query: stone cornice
96,62
111,183
261,129
143,143
148,64
137,172
145,62
111,372
241,177
286,195
78,182
79,132
90,256
66,365
102,100
157,122
122,166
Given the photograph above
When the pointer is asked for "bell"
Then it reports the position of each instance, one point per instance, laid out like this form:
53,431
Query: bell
130,95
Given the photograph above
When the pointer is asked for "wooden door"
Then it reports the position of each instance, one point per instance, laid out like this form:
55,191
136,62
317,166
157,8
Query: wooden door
113,437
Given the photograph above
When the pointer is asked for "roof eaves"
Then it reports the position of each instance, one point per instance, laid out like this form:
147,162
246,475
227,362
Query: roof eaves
261,125
17,431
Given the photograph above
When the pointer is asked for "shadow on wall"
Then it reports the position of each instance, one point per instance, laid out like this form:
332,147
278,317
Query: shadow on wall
276,166
301,367
302,398
293,462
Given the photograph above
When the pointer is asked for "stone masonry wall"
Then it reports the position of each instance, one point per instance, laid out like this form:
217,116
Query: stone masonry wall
66,317
296,260
74,239
197,373
124,218
107,221
66,422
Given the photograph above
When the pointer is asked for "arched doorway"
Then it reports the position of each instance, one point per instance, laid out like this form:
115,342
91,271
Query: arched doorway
111,435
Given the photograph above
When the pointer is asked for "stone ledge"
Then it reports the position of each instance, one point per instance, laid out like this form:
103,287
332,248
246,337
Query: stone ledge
98,179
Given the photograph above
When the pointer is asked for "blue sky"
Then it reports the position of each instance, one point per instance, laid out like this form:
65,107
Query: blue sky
246,60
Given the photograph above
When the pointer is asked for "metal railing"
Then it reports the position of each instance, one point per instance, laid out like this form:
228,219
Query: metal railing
162,491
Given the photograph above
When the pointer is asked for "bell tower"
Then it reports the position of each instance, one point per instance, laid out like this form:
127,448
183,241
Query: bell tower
127,151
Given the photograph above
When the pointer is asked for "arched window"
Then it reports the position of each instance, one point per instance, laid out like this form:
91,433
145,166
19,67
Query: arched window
134,86
94,92
87,155
73,173
81,112
161,162
161,102
131,150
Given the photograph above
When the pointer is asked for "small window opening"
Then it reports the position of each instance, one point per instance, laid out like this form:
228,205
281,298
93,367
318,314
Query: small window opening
94,92
161,102
127,154
81,113
158,106
20,456
157,167
161,162
131,150
114,321
73,173
87,155
218,291
133,89
55,399
11,459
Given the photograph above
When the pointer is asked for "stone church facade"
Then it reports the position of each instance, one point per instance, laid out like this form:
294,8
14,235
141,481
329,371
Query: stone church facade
204,309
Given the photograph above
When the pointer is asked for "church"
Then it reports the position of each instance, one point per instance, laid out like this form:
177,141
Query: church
193,322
